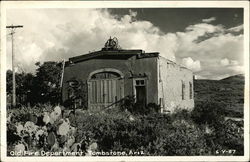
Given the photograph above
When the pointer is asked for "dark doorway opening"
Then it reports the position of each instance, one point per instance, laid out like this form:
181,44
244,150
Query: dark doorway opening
141,95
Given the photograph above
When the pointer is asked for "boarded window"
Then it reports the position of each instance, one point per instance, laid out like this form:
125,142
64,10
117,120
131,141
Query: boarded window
183,90
190,90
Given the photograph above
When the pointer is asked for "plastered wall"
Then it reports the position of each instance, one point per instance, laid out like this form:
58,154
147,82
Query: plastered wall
171,77
129,67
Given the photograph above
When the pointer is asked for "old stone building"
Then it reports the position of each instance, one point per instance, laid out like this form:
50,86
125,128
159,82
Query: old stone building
99,79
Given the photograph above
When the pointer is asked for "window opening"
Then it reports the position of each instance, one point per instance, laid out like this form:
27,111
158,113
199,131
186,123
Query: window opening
183,90
190,90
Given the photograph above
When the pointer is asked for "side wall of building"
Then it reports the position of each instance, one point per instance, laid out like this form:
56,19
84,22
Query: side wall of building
175,86
129,67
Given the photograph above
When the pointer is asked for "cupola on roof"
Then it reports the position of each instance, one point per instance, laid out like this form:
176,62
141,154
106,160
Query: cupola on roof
111,44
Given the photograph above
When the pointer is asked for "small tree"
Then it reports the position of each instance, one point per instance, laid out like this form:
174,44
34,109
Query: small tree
44,87
24,86
47,83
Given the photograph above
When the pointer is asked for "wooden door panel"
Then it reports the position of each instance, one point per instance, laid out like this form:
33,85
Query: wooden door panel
98,85
104,92
109,92
114,90
101,91
117,90
90,95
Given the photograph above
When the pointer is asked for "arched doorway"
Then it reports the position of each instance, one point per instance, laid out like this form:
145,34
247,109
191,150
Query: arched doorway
105,87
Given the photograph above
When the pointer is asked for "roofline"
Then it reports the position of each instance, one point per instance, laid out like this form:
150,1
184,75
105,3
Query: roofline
139,53
181,66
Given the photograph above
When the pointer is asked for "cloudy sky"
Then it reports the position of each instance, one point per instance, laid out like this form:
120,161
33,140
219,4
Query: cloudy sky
208,41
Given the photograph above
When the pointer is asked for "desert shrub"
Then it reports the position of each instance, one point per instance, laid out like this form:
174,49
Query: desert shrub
153,108
127,103
230,135
121,130
24,113
103,127
181,138
234,138
155,134
223,134
180,113
207,112
138,108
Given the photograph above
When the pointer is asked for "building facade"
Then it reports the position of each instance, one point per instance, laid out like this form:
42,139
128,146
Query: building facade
102,78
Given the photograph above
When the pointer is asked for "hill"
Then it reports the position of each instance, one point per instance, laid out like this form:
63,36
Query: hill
235,78
229,91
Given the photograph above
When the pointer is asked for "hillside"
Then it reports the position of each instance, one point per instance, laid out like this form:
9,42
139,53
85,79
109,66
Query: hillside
236,78
229,91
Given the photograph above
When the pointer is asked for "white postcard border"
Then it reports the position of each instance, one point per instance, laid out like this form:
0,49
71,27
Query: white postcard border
124,4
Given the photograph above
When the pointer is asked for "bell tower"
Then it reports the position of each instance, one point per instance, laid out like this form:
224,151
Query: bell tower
111,44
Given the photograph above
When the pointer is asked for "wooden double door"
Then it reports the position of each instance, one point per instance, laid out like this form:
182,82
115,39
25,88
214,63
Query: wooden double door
104,92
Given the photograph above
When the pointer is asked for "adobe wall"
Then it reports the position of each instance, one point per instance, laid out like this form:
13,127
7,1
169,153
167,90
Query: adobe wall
81,70
170,80
146,66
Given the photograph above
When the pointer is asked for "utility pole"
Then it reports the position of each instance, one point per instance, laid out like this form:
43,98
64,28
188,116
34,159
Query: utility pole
61,81
13,27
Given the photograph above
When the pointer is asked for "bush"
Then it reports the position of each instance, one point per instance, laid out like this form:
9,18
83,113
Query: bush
211,113
180,113
230,135
115,129
134,107
223,134
182,138
155,134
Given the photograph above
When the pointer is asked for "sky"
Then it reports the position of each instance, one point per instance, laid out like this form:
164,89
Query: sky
209,41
